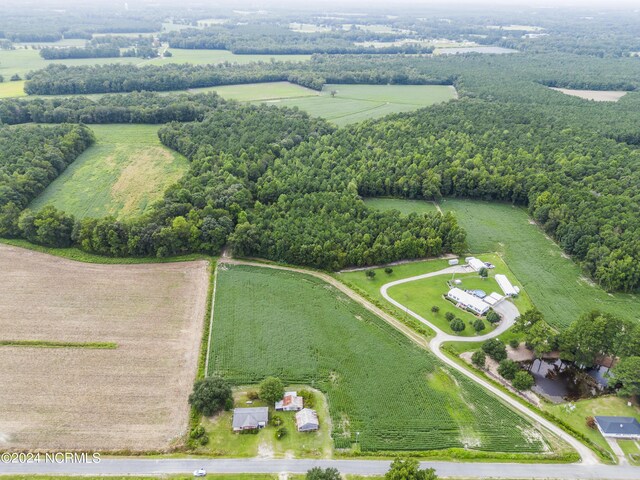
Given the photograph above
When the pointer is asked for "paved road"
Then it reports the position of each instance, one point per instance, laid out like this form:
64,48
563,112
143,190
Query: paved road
508,312
137,466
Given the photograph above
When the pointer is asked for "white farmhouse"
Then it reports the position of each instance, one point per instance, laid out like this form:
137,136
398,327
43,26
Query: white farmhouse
468,301
508,289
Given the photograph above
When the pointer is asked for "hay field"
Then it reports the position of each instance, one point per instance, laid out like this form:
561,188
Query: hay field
123,173
596,95
132,397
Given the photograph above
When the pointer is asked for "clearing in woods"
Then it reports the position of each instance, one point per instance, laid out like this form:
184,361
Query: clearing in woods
12,89
296,327
124,172
351,103
596,95
132,397
553,281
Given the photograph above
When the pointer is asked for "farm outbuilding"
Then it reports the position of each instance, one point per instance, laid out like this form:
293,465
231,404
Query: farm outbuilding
493,298
291,402
468,301
454,261
504,283
619,427
250,418
307,420
475,263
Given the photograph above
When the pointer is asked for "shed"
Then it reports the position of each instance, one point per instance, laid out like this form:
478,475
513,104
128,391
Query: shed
619,427
307,420
454,261
493,298
250,418
475,263
504,283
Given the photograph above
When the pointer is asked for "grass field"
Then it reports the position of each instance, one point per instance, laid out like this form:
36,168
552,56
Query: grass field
554,282
12,89
223,442
251,92
201,57
355,103
606,405
131,397
122,174
403,206
631,449
297,327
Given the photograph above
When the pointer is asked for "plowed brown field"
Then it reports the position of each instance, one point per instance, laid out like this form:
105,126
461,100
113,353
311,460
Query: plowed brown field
131,397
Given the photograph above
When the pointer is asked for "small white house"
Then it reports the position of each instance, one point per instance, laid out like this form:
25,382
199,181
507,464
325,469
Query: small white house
508,289
475,263
454,261
291,402
307,420
468,301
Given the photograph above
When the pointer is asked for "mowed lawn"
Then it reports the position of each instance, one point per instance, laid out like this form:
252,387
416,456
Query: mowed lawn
554,282
355,103
270,322
121,175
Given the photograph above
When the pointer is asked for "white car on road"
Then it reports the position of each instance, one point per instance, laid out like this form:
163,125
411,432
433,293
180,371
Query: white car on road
201,472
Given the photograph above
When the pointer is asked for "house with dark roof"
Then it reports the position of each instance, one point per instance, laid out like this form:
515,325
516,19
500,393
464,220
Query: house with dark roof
250,418
619,427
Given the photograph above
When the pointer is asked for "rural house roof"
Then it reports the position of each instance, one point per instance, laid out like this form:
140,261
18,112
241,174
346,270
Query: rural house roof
291,400
247,418
619,425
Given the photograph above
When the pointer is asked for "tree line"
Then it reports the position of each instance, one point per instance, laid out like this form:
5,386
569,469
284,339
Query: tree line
139,107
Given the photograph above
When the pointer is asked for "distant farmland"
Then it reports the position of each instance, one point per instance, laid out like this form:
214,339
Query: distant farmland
121,175
297,327
131,396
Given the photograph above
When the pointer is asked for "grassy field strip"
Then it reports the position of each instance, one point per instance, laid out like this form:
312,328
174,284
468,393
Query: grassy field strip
327,345
54,344
122,174
12,89
253,92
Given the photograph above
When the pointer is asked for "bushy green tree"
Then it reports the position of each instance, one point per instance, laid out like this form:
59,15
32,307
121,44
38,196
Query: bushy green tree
508,369
271,390
479,358
627,372
435,309
478,325
449,316
409,469
492,316
495,349
457,325
210,395
522,381
317,473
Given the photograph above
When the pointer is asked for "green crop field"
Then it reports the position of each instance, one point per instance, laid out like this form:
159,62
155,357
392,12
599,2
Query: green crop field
555,284
251,92
354,103
270,322
124,172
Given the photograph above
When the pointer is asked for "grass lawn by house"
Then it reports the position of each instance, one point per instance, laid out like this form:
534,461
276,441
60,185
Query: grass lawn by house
224,442
631,449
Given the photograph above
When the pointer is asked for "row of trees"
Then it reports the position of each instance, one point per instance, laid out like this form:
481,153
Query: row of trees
139,107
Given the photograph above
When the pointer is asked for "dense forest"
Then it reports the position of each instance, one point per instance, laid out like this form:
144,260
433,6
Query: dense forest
31,157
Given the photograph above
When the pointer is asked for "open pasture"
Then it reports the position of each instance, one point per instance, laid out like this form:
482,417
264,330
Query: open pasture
271,322
405,207
355,103
553,281
124,172
596,95
204,56
130,397
12,89
253,92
